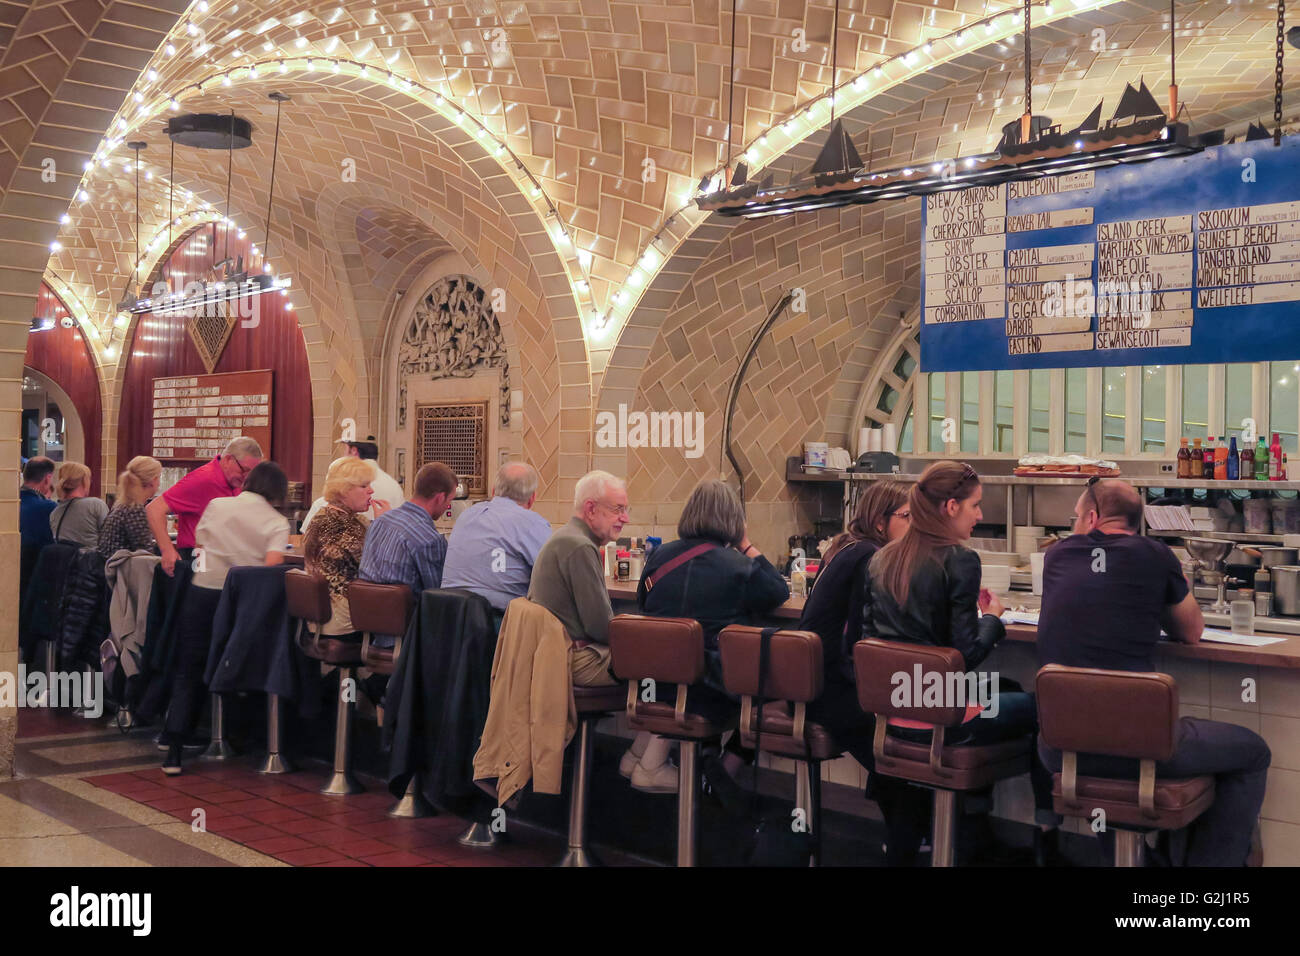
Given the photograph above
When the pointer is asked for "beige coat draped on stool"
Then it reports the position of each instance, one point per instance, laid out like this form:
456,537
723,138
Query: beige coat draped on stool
531,715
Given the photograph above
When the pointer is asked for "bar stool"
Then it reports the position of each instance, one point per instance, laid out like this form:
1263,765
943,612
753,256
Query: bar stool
667,650
795,674
309,601
1118,714
945,769
590,703
386,609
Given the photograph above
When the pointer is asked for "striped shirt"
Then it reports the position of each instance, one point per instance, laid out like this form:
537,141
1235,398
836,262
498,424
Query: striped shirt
404,547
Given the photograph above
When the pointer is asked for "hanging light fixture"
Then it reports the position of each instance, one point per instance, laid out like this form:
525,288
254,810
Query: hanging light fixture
215,131
130,298
1031,148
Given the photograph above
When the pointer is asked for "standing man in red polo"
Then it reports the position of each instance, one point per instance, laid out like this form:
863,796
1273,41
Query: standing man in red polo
223,477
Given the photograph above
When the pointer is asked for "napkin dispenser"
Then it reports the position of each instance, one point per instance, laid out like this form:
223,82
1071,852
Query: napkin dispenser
879,462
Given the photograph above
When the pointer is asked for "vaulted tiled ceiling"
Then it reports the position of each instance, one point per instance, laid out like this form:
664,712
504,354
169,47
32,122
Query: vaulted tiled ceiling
582,91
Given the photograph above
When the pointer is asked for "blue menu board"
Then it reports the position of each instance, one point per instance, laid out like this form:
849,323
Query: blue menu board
1176,261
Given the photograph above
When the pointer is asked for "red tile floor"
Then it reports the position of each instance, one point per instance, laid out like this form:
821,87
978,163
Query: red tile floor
286,818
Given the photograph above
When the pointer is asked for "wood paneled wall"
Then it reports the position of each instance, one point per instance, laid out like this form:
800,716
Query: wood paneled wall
62,355
161,346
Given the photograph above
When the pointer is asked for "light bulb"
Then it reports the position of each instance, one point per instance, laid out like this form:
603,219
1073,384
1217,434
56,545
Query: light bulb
174,103
65,219
170,50
55,246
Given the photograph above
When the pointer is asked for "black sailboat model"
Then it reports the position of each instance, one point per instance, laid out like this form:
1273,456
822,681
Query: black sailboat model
838,159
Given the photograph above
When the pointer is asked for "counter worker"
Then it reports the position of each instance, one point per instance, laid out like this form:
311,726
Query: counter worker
223,477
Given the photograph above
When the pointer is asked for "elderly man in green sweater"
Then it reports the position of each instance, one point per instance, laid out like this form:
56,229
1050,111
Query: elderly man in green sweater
569,574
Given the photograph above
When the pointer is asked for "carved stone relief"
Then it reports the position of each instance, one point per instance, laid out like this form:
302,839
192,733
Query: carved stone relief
453,333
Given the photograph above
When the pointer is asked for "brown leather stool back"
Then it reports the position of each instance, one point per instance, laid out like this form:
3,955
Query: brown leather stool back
795,673
380,609
295,559
877,664
308,596
1116,713
1119,714
663,649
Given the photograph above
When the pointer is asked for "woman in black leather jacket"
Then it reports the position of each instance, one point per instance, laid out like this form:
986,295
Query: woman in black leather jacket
925,589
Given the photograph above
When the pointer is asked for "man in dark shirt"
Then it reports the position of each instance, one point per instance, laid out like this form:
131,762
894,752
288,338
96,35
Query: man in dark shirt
34,503
1107,593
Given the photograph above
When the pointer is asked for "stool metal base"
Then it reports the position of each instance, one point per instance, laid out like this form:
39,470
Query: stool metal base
1130,848
218,749
86,712
479,835
944,833
275,762
342,783
413,806
577,854
687,786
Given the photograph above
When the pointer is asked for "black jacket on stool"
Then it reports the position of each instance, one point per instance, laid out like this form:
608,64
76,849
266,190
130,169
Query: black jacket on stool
437,699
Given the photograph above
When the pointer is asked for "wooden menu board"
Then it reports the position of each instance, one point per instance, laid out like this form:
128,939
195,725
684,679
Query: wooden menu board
194,416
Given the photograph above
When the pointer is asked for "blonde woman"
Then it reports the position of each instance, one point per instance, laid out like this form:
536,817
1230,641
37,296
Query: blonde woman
127,526
334,541
78,517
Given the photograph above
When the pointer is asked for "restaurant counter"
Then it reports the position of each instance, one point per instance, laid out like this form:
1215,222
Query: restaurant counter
1256,687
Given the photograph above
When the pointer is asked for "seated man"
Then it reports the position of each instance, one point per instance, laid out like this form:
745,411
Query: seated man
402,545
1109,615
569,575
495,544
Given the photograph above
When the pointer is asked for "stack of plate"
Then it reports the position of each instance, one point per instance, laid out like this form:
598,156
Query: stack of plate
1027,538
996,577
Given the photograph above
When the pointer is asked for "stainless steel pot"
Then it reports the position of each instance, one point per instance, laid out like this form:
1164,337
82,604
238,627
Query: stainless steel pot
1286,590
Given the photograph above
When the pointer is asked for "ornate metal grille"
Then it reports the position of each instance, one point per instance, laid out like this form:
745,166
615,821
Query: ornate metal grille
455,435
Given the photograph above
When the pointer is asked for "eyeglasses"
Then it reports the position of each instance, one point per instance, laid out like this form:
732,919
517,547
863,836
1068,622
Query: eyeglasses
620,511
1088,489
902,513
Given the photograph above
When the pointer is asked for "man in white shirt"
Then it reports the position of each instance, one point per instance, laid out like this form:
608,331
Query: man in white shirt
387,492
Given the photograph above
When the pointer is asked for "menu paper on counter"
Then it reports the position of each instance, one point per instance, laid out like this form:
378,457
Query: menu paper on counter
1216,636
1188,260
195,416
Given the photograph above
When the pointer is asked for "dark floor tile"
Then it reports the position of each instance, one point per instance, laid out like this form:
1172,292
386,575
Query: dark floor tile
398,858
280,844
311,856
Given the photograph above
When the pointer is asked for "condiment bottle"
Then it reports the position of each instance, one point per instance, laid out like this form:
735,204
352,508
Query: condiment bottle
624,566
1234,462
1261,460
1275,459
611,560
1247,461
1196,464
1184,459
1208,458
636,557
1220,462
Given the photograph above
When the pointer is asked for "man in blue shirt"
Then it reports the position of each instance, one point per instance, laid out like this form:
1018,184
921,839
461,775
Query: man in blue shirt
34,504
494,543
402,545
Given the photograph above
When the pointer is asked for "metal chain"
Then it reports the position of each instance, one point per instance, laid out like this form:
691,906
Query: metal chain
1277,75
1029,94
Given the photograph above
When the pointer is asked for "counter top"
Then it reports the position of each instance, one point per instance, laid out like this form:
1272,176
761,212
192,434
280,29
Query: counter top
1285,654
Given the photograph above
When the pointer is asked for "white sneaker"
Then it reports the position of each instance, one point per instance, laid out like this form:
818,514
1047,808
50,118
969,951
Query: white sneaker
629,763
661,780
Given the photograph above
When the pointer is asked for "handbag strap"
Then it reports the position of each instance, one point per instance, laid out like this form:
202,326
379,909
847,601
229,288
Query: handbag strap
63,517
760,700
670,566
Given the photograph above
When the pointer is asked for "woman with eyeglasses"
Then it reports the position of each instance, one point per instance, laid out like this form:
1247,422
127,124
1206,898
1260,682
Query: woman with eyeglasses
834,612
925,589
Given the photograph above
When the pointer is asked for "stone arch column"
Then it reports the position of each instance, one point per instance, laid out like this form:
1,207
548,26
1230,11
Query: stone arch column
55,99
